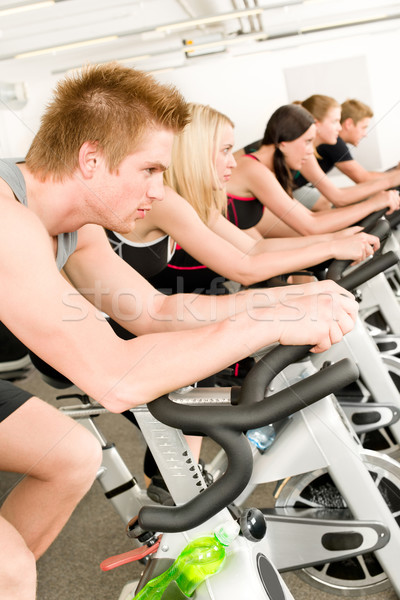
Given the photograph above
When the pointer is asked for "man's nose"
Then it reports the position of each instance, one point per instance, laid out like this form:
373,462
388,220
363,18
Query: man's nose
156,189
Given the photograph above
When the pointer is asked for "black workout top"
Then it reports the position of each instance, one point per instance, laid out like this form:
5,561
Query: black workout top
244,212
148,258
327,156
184,274
330,154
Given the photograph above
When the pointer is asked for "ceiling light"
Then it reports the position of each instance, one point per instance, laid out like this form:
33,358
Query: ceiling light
214,19
343,23
238,40
103,40
25,7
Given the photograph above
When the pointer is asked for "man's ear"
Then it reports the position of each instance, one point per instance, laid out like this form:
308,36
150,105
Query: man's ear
347,124
88,159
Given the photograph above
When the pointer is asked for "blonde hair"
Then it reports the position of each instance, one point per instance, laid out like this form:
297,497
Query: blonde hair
192,173
355,110
319,105
107,104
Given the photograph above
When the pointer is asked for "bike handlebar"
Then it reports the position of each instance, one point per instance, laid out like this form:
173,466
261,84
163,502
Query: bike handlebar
369,221
227,424
394,218
382,230
363,273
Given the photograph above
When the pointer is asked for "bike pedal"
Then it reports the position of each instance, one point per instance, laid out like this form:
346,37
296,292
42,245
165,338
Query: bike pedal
127,557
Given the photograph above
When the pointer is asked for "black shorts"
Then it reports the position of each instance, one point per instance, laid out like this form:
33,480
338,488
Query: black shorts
11,398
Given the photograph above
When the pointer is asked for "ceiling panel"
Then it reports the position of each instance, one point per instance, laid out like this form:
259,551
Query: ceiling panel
67,33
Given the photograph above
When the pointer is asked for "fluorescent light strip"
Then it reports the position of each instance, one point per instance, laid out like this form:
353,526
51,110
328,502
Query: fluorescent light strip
237,40
115,37
103,40
25,7
343,23
215,19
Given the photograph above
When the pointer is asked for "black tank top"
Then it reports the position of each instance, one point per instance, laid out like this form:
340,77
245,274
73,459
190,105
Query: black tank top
244,212
184,274
148,258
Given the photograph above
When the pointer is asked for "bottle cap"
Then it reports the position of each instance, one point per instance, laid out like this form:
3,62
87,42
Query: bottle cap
227,532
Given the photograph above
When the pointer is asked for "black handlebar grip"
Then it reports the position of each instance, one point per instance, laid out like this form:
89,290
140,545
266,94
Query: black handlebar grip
215,498
394,218
381,229
370,220
368,270
225,425
264,371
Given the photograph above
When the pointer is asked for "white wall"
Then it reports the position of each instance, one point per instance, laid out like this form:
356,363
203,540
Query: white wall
249,88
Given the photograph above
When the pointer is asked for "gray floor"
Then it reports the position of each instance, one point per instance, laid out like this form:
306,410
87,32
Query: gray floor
70,568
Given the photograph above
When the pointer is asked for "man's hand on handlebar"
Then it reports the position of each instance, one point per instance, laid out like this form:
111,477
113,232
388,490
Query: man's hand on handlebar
325,286
319,319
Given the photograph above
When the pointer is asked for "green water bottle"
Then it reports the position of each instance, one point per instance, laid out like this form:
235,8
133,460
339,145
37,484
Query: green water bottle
201,558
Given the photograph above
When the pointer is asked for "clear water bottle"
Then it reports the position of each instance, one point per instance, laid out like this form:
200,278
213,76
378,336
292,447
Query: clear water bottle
263,437
201,558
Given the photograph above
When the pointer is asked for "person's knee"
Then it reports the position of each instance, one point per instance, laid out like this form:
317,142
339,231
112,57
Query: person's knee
80,461
18,574
87,456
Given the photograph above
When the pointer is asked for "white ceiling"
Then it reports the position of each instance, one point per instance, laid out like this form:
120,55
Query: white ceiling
125,29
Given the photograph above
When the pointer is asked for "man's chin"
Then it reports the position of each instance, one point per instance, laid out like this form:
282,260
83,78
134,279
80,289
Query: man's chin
124,228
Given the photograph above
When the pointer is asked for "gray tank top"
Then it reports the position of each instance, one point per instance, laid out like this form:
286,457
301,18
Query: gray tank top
66,242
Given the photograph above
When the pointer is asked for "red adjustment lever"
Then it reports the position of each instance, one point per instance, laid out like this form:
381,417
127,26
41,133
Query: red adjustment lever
127,557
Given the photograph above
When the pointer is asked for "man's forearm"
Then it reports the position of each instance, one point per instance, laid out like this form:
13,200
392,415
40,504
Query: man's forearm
152,365
188,311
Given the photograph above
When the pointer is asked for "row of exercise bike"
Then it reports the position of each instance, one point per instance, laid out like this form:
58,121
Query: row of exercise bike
336,416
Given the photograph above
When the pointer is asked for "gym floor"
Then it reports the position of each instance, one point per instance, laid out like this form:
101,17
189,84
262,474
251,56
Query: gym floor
70,568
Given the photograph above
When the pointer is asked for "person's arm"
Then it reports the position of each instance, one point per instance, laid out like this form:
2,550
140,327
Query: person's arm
230,232
356,172
232,253
344,196
262,183
42,309
283,252
212,332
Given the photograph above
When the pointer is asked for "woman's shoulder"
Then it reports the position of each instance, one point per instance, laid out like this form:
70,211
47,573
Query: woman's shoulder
170,196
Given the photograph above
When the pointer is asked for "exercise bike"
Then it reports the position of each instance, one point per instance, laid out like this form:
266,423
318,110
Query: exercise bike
249,571
126,496
325,481
379,372
223,415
